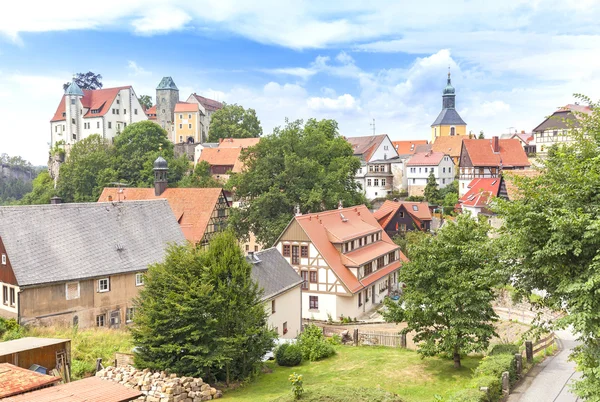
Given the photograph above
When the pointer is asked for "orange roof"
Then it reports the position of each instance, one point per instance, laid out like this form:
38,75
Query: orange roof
97,99
151,113
353,222
511,153
193,207
426,159
386,212
223,157
512,190
92,389
450,145
480,192
407,147
238,142
186,107
16,380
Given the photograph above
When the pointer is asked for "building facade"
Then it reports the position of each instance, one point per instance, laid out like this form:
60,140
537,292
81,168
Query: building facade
397,217
448,122
421,165
378,155
557,128
207,108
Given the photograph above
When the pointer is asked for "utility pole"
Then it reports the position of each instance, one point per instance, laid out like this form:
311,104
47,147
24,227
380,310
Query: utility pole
373,126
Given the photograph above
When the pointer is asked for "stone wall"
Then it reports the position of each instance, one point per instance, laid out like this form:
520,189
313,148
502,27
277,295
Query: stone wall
160,386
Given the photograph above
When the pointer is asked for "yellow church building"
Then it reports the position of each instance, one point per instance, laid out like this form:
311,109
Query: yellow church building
448,122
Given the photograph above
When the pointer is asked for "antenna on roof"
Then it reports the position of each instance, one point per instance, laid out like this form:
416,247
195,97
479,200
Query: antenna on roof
373,126
119,189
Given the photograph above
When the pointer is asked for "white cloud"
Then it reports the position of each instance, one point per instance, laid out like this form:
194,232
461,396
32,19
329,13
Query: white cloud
137,70
344,102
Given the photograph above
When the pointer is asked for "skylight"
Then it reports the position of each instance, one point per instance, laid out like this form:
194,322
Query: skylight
415,207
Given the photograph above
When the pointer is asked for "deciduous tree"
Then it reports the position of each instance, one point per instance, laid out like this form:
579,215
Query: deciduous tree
43,190
448,296
145,101
200,177
233,121
87,80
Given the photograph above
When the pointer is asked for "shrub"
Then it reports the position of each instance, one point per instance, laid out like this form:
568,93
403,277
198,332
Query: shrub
504,349
8,325
288,355
335,340
467,395
313,344
494,385
497,364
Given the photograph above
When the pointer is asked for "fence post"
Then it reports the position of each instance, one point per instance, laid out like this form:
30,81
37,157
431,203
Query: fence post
355,336
323,329
506,382
529,351
99,364
403,340
519,361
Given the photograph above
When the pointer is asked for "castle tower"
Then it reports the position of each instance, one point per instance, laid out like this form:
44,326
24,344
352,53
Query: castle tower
73,96
167,96
448,122
160,175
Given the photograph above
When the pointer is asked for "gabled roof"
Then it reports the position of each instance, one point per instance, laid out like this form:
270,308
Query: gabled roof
192,207
564,117
98,100
186,107
167,83
15,380
273,273
511,153
348,223
481,192
526,138
407,147
449,117
450,145
419,211
64,242
366,146
151,111
223,157
238,142
208,104
512,191
426,159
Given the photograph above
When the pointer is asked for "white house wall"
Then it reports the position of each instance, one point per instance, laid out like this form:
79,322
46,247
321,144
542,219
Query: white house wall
288,309
386,150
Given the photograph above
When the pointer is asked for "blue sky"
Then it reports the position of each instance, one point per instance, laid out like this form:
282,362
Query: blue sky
512,64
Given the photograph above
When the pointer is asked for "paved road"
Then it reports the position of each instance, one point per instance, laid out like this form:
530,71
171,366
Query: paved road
549,381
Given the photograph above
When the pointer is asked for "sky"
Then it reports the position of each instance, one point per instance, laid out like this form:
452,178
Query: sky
512,63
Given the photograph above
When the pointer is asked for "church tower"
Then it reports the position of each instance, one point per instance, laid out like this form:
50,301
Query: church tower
448,122
167,96
73,111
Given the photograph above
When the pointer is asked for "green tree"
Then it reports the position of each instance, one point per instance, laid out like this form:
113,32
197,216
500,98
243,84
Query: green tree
89,168
43,190
448,297
138,146
200,177
145,101
200,314
233,121
87,80
448,203
310,166
558,217
432,191
407,239
481,135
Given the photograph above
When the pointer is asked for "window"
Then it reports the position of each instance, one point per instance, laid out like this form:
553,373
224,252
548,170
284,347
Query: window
385,147
134,111
382,182
367,296
420,170
286,250
401,214
368,268
414,181
3,259
72,101
180,125
97,124
163,110
380,262
304,276
376,182
100,320
392,256
368,182
443,170
5,295
247,247
139,279
189,117
370,168
12,297
124,111
74,136
189,126
272,306
313,302
285,330
103,285
180,137
452,132
304,251
72,290
129,314
555,132
72,121
295,254
113,111
360,299
115,318
118,102
450,170
109,124
313,277
180,116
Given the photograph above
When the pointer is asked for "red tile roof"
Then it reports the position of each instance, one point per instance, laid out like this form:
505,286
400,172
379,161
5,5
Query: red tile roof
186,107
356,221
223,157
16,380
193,207
407,147
480,192
91,389
512,191
386,212
425,159
365,146
450,145
97,99
238,142
151,113
209,104
511,153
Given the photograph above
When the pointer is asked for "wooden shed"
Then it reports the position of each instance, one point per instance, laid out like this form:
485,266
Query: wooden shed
46,352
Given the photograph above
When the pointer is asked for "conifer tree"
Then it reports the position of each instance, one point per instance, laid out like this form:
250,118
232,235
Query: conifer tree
432,192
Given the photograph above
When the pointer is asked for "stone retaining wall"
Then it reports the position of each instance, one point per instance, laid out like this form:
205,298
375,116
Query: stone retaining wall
160,386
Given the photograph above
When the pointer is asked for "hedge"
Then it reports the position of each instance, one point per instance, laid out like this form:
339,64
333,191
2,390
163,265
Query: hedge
504,348
288,355
468,395
496,365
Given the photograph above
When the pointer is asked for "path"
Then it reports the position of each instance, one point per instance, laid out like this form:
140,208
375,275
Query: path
549,381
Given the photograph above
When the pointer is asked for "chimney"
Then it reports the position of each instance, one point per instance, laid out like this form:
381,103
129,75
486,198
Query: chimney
160,175
340,204
298,212
522,131
55,200
495,144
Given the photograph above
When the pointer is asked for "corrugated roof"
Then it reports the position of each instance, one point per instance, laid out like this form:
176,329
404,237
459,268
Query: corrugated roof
511,153
366,146
192,207
91,389
273,273
407,147
16,380
28,343
426,159
97,99
450,145
223,157
57,243
238,142
449,117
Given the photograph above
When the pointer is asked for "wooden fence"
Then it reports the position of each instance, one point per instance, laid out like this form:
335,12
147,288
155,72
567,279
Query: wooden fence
543,343
370,338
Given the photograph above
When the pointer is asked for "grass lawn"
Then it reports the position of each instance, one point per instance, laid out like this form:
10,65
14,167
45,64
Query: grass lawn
399,371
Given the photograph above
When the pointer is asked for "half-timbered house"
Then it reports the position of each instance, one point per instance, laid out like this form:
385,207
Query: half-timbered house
403,216
346,260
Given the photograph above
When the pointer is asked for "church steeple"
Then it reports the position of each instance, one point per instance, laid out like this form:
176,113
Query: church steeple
448,122
449,97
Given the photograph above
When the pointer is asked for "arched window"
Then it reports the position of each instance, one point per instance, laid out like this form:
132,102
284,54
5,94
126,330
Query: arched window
451,130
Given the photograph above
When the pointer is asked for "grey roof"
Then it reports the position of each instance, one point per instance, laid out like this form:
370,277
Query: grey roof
273,273
167,83
23,344
448,117
73,89
57,243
